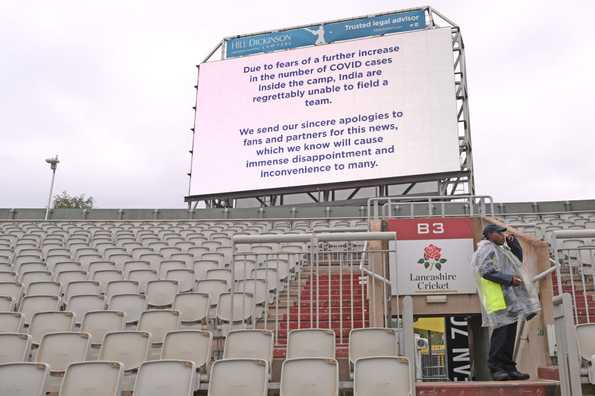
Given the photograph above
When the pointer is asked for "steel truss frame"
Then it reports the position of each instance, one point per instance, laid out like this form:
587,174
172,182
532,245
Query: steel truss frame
450,184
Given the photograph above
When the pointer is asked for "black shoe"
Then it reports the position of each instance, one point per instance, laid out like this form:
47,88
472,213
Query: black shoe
501,375
517,375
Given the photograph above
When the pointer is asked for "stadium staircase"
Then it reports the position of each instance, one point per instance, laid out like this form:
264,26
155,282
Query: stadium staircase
339,308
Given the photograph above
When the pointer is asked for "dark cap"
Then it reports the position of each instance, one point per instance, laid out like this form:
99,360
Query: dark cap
492,228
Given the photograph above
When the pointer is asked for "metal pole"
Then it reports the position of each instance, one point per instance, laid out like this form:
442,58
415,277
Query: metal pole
53,165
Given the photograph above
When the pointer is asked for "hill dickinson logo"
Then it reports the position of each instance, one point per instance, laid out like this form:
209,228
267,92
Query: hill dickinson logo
432,258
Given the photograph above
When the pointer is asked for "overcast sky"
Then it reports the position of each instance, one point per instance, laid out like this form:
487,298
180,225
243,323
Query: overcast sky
108,85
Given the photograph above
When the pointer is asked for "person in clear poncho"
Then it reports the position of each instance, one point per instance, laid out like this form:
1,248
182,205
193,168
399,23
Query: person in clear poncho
507,295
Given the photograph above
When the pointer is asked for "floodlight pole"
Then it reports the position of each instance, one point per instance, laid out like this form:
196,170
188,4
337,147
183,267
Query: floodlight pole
53,165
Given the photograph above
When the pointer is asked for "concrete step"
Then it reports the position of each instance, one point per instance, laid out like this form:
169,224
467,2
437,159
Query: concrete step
489,388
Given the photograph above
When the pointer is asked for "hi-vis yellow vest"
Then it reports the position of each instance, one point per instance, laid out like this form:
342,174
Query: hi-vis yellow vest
492,294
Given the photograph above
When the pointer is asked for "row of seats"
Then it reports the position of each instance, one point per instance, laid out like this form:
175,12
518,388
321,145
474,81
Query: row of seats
315,348
373,376
108,282
120,253
189,309
181,225
143,271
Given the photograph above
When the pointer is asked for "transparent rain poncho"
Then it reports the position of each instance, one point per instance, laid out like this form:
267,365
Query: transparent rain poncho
521,301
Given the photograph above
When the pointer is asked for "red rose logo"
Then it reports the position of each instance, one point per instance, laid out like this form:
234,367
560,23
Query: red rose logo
432,252
432,258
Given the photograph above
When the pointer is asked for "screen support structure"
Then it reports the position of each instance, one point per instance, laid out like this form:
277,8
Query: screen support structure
448,185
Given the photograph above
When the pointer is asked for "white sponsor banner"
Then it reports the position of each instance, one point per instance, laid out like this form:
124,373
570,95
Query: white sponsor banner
439,266
359,110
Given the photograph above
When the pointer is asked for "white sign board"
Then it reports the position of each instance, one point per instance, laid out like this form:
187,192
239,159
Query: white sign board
432,256
364,109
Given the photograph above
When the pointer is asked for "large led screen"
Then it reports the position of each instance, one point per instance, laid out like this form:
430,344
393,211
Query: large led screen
366,109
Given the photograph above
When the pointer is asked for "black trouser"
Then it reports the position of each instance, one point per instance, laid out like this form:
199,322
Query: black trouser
502,348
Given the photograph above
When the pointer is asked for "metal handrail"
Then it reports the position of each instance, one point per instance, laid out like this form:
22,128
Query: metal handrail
375,211
522,322
369,272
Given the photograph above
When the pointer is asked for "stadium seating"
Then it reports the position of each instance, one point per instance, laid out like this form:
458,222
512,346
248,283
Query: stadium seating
249,344
14,347
98,323
50,322
133,305
310,376
381,376
121,287
38,303
62,348
246,377
24,379
311,343
48,288
131,348
371,342
193,308
158,323
165,377
161,293
586,347
97,378
191,345
11,322
234,309
84,303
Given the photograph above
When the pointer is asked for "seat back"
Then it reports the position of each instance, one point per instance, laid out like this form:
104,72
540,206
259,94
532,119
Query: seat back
311,376
98,378
11,322
213,287
49,322
23,379
158,323
220,273
129,347
135,265
98,323
46,288
131,304
184,277
106,275
78,288
82,304
318,343
193,345
246,377
142,277
257,287
242,269
165,377
269,275
60,349
65,277
121,287
585,334
14,347
202,266
36,276
161,293
249,344
6,304
381,376
193,307
167,265
235,307
41,303
279,265
373,341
